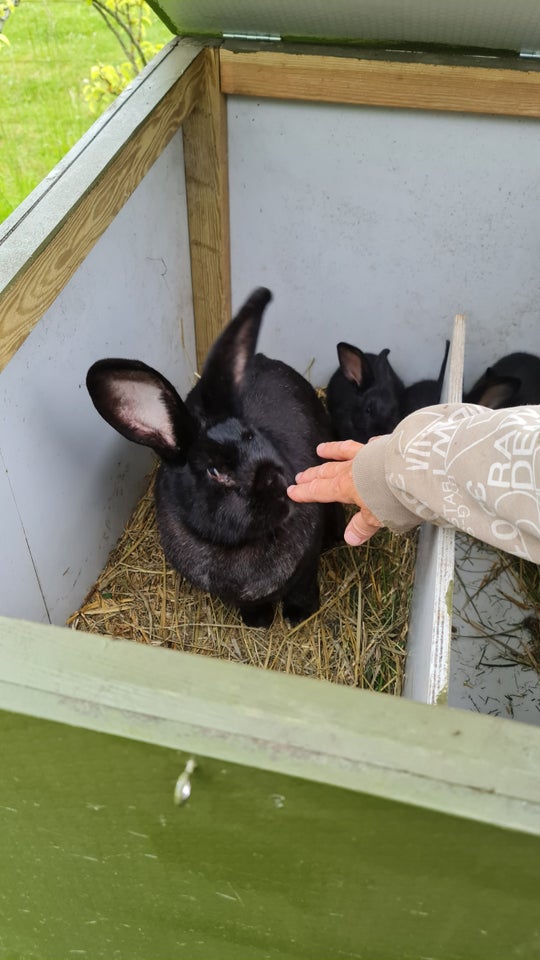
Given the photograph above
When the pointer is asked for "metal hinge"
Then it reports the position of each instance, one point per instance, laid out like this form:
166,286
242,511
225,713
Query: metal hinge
252,36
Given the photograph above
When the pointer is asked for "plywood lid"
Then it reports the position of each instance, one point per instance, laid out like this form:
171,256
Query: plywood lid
495,24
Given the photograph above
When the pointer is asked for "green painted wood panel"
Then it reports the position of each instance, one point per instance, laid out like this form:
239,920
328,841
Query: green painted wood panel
97,862
448,760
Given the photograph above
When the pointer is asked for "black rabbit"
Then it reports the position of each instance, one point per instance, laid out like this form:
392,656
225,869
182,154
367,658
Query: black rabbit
424,393
228,454
364,395
511,381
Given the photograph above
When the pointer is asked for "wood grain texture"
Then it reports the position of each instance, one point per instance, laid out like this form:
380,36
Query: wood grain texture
207,190
421,86
446,760
36,286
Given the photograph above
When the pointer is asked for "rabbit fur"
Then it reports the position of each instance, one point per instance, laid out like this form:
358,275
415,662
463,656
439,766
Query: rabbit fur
227,455
511,381
425,393
364,395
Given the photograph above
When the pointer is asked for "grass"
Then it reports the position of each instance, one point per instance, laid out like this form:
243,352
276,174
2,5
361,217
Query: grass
53,45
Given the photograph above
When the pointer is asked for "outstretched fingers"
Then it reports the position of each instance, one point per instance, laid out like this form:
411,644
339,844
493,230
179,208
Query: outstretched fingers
339,449
332,482
315,491
327,483
324,471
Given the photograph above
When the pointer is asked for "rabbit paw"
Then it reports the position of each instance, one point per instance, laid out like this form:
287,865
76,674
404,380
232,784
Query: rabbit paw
297,610
259,616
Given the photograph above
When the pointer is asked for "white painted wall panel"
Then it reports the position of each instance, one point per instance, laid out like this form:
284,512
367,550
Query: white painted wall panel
378,226
74,479
17,574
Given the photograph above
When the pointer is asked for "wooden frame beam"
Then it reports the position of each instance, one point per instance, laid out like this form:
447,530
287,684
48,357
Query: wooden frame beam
55,229
351,79
446,760
207,190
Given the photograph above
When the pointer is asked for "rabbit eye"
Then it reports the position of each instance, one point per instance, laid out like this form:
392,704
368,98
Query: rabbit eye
247,436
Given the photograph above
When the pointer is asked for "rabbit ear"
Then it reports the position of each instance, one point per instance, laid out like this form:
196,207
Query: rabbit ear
354,365
223,373
498,391
141,405
442,371
382,366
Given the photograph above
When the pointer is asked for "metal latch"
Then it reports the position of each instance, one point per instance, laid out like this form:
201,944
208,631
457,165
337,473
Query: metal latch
182,790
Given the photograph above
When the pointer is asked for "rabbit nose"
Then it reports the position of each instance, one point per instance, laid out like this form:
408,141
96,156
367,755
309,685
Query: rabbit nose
269,479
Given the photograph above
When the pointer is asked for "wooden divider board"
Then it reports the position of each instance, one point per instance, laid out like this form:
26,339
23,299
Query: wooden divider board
430,623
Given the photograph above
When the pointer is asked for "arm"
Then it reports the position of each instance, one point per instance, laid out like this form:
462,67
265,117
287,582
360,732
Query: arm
453,464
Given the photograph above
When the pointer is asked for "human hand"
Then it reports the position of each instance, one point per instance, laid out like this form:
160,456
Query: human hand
333,481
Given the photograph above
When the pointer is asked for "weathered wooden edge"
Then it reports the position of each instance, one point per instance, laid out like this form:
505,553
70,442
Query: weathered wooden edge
452,392
427,666
46,246
371,82
477,767
207,191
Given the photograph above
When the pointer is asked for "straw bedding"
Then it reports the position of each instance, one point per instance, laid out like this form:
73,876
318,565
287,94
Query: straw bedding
357,637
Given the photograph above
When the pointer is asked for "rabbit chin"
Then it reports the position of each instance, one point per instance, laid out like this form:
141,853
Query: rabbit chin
375,426
236,521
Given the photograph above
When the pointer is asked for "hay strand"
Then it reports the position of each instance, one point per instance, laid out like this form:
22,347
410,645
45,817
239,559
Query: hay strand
357,637
517,581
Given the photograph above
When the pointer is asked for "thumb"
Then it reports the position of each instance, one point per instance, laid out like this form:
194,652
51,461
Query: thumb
360,529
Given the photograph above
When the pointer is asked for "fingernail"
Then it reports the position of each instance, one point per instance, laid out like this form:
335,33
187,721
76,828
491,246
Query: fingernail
353,539
298,477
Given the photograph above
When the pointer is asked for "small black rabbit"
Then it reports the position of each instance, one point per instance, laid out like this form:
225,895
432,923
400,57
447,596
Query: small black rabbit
511,381
364,395
228,454
425,392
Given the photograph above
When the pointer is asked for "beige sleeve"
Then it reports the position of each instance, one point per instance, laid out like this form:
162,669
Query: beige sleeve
459,465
